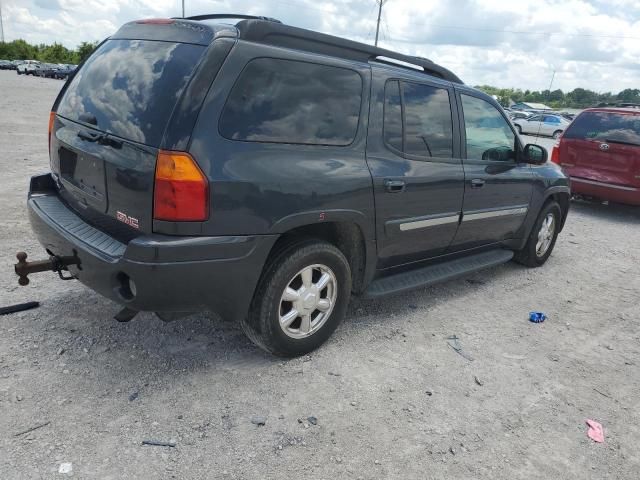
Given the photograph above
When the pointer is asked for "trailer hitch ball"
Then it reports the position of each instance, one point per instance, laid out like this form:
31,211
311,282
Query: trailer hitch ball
53,264
23,280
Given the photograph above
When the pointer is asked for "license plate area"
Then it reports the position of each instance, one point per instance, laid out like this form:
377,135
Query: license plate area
84,177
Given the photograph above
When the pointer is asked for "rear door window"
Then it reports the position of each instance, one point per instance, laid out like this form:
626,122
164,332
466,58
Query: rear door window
606,127
130,87
287,101
393,116
418,120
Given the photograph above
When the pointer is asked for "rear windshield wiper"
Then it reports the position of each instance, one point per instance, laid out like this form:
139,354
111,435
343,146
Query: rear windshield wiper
621,142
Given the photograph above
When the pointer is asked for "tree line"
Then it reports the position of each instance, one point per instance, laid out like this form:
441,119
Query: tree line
55,53
577,98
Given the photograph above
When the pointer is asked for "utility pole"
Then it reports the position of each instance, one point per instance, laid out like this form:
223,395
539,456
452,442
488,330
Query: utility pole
380,5
1,25
182,8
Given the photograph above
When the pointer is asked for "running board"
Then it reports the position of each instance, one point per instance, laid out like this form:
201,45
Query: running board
437,273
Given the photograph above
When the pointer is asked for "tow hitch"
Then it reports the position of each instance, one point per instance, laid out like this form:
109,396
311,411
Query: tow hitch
53,264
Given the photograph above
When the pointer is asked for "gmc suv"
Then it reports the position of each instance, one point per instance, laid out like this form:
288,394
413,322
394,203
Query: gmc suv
267,173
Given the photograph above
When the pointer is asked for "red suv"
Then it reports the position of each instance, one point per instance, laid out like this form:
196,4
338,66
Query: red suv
600,151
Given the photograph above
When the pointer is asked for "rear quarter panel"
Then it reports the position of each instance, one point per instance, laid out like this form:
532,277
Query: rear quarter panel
265,188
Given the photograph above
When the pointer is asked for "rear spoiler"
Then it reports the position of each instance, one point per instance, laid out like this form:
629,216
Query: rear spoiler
175,30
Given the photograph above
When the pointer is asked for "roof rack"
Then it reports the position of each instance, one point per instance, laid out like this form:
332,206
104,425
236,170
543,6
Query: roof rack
281,35
219,16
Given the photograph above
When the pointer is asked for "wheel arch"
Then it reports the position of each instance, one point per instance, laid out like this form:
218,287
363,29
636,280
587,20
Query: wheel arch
562,196
345,232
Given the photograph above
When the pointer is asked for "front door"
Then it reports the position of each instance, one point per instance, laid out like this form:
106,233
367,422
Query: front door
413,153
532,125
497,188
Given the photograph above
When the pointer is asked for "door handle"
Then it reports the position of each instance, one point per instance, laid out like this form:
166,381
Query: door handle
394,186
477,183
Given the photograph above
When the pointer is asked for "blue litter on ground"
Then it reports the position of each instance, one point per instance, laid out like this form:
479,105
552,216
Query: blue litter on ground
537,317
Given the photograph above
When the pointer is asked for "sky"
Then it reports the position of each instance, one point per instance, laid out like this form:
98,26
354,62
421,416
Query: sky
593,44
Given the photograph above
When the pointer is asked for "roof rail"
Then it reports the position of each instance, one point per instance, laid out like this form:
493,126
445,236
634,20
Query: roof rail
278,34
217,16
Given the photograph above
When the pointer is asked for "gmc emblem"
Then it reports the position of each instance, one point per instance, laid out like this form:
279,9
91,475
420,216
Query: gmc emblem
124,218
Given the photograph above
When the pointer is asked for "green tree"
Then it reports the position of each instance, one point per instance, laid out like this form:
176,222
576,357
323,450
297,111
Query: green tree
84,50
630,95
55,53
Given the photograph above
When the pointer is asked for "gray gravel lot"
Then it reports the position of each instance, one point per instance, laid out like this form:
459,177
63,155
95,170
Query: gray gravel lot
392,399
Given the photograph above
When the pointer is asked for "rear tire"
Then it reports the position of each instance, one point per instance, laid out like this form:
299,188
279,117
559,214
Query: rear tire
542,238
300,300
557,134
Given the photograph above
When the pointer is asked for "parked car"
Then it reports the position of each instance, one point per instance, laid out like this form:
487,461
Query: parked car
601,152
549,125
47,70
515,115
64,71
6,65
267,173
28,67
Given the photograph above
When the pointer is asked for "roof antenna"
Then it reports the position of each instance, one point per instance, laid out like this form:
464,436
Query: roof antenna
548,100
380,5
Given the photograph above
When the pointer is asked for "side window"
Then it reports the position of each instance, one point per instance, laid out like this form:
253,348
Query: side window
285,101
393,116
489,136
535,118
422,125
427,121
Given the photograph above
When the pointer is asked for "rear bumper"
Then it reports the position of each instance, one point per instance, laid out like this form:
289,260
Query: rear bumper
606,191
170,274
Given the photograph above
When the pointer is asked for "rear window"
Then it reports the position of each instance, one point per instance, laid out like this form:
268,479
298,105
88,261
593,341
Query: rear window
286,101
606,127
130,87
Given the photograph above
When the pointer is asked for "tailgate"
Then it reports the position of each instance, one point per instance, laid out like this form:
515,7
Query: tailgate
109,126
603,147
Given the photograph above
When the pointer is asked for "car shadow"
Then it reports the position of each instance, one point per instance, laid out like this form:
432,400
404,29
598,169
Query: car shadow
80,323
607,211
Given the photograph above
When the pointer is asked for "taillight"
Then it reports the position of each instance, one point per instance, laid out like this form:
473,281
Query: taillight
181,191
555,154
52,119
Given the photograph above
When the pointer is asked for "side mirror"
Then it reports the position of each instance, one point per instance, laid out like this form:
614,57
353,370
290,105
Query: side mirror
499,154
534,154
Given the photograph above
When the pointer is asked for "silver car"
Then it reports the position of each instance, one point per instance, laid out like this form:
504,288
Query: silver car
542,124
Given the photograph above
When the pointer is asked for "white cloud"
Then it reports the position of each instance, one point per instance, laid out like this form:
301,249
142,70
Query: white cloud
590,43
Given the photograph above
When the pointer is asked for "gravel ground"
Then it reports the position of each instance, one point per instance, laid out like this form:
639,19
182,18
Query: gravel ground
392,399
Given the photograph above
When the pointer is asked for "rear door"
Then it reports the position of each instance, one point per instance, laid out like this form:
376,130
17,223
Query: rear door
413,154
110,123
550,125
497,188
603,147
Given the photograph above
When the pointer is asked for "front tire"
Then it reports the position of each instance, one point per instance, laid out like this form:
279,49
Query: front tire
542,238
300,300
557,134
